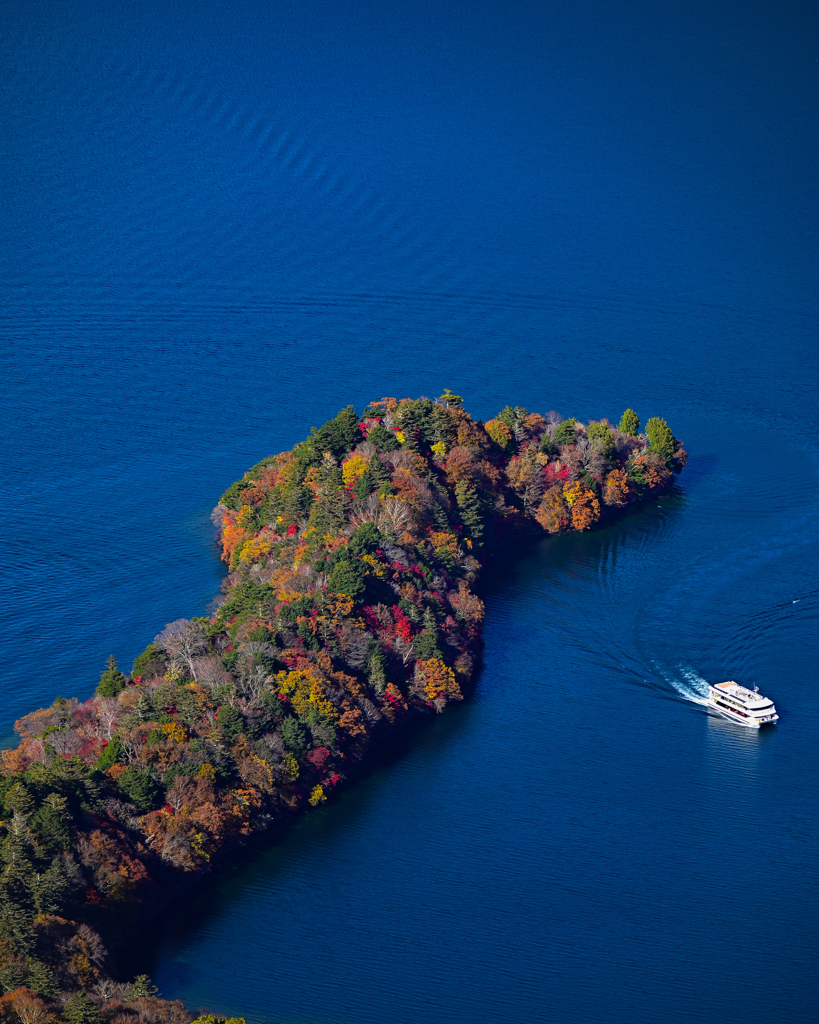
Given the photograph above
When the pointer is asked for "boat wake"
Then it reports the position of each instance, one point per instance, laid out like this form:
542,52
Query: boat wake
688,684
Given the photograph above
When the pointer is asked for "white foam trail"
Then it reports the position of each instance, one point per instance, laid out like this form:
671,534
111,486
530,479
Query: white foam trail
694,688
690,687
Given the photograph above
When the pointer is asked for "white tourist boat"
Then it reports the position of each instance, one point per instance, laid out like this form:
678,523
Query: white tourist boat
741,705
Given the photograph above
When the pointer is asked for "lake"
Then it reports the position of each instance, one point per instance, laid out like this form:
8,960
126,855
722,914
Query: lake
222,223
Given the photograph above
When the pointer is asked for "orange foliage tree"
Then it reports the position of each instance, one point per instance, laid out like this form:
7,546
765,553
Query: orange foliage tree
553,513
584,504
617,490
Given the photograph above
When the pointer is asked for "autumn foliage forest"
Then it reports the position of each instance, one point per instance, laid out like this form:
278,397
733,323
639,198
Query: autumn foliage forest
348,608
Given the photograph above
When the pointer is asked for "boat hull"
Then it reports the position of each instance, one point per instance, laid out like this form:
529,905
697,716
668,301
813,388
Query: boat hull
748,723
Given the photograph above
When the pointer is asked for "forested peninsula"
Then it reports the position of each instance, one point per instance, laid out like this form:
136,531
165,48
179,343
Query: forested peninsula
348,608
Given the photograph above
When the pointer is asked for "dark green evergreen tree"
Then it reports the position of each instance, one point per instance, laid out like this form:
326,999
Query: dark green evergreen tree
329,512
469,507
12,976
547,446
51,890
363,486
383,439
336,436
230,721
295,502
295,737
379,475
41,979
151,653
440,518
346,430
426,644
377,666
347,578
365,540
629,423
141,789
661,439
81,1010
51,823
444,427
112,681
566,433
19,799
142,988
417,421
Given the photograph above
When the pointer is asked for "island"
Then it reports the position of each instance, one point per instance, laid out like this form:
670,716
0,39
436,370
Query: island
348,610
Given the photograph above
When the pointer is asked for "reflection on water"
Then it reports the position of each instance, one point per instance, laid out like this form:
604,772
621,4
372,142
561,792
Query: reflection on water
735,749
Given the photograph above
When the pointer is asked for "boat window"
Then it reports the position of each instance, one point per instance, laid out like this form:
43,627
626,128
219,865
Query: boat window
729,708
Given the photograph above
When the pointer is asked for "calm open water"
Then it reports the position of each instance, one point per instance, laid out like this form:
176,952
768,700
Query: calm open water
220,223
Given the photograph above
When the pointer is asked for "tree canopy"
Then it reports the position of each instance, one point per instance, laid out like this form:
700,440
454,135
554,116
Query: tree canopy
629,423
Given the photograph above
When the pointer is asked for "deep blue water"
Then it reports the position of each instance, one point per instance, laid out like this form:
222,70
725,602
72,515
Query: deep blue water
221,223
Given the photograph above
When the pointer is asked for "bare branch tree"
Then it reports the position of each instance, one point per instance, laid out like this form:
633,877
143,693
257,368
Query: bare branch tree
131,746
397,513
107,713
65,742
355,644
254,647
590,457
405,649
253,682
105,988
211,672
93,943
367,511
30,1009
183,641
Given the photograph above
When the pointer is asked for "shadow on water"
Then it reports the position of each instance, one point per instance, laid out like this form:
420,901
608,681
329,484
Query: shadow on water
525,561
210,898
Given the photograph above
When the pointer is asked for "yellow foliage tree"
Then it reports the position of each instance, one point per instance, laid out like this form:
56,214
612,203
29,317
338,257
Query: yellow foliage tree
317,796
445,544
255,548
583,503
176,731
354,468
499,432
305,692
376,567
438,680
572,491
